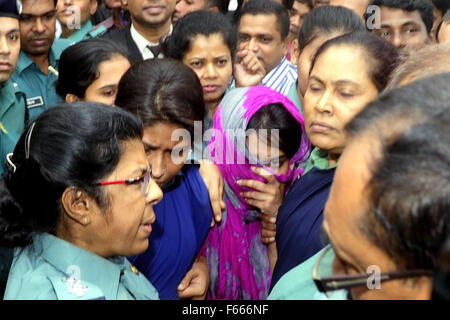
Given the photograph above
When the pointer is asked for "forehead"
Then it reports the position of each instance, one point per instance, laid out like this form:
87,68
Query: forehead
206,44
395,18
357,5
160,134
300,6
37,6
8,24
112,69
342,62
259,24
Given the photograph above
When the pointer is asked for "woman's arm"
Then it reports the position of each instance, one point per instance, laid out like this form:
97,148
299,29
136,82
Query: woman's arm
213,179
195,283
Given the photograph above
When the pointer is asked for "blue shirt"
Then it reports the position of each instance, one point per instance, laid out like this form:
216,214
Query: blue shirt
300,217
38,87
183,219
51,268
12,119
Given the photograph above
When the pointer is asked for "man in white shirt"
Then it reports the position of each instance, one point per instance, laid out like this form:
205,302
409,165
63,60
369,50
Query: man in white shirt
150,24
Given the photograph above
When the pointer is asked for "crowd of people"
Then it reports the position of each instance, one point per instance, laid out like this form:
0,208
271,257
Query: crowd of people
176,149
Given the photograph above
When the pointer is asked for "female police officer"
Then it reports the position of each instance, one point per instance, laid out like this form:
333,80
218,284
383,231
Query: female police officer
77,198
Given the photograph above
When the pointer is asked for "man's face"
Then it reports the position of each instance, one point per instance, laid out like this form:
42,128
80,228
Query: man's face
66,15
260,33
9,47
37,26
354,253
297,14
150,13
183,7
403,29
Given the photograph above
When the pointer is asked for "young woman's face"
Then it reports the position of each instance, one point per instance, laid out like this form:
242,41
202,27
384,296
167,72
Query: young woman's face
165,154
210,58
123,228
339,87
104,88
267,153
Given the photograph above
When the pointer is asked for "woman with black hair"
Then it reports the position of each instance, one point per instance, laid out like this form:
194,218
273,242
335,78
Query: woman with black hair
347,73
78,197
90,70
166,95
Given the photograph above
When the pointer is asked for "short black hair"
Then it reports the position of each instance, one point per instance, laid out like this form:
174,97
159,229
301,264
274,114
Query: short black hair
327,20
442,5
425,7
409,187
290,3
188,27
268,7
222,5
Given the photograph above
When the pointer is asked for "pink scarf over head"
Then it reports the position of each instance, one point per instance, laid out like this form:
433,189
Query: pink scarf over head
237,258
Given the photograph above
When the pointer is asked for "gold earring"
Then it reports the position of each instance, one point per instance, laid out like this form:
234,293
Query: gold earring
85,220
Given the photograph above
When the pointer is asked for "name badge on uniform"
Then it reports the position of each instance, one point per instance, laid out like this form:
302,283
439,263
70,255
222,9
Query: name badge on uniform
35,102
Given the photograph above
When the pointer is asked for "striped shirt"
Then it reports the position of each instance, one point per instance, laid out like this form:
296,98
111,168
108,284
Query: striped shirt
282,77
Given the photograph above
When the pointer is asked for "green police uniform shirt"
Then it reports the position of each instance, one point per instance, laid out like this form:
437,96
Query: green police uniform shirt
12,119
87,31
38,87
298,284
293,95
319,160
51,268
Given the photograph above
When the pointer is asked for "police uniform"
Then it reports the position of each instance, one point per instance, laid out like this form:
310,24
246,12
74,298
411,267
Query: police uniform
87,31
38,87
12,119
51,268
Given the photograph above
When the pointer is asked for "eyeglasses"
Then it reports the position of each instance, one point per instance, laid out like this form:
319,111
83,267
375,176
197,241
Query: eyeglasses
145,180
331,283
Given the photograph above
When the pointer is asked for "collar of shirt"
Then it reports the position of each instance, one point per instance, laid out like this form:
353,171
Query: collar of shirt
8,96
56,49
65,256
319,160
281,77
143,43
79,34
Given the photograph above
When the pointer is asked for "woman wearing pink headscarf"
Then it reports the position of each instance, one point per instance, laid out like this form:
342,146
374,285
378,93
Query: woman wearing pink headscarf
259,144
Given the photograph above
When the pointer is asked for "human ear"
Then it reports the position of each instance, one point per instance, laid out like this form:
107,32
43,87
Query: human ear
77,205
71,98
215,9
93,7
295,52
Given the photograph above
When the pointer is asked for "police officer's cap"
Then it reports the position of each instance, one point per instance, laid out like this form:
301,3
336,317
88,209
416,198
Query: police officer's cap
10,8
